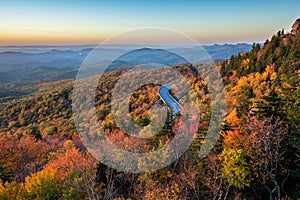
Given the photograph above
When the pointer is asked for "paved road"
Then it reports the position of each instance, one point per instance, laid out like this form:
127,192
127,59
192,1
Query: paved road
173,104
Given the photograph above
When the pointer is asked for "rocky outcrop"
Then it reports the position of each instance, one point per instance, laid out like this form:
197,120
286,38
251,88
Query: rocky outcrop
296,27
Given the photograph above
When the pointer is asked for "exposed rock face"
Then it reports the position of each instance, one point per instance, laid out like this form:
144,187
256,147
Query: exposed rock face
296,27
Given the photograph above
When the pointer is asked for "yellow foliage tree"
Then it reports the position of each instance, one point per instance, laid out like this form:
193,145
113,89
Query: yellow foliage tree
234,167
43,185
11,190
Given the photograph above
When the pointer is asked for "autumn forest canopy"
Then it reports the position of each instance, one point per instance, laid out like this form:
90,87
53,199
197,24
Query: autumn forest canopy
257,155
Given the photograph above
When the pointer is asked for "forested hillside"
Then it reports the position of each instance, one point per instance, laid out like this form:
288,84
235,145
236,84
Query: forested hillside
256,157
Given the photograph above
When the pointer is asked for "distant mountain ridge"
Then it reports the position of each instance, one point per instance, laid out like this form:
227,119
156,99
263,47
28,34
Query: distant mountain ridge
55,63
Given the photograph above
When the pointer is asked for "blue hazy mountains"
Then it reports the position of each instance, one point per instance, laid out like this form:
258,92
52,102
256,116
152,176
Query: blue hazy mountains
19,64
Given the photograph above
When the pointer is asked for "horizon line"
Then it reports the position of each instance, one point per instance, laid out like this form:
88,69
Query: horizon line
121,44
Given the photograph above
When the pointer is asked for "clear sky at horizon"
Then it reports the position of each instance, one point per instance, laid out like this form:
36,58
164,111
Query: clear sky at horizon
55,22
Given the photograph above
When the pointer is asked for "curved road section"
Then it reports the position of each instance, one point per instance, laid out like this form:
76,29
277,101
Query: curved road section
165,96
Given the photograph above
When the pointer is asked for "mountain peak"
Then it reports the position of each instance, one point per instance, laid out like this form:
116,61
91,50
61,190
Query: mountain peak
296,27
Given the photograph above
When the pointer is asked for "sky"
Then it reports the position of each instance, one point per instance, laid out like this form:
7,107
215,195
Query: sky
72,22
